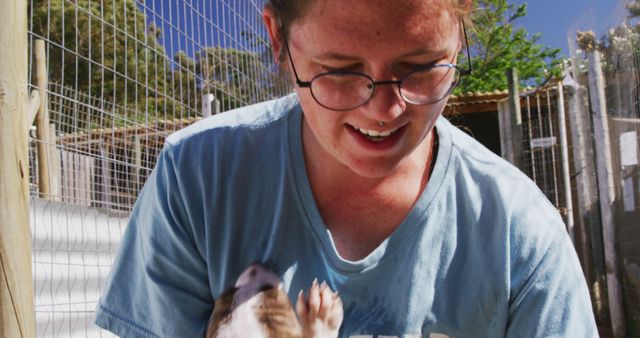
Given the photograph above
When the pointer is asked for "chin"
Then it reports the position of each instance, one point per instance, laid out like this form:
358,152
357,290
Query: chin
374,168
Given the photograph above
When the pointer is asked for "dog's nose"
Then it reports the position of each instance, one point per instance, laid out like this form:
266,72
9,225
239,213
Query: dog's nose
255,279
257,275
266,287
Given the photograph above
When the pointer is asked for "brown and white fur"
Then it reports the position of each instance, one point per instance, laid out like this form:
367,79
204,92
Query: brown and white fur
258,307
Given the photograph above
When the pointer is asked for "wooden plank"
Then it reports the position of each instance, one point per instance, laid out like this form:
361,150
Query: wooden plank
82,178
516,118
76,173
54,166
591,251
67,177
17,315
88,172
105,154
504,119
137,162
564,154
478,107
92,170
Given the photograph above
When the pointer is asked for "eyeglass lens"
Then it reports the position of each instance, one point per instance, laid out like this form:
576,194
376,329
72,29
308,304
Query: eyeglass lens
346,90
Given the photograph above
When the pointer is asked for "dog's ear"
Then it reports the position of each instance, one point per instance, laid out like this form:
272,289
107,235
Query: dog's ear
221,312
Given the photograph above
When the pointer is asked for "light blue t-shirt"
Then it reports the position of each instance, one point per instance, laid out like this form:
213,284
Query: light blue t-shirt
482,253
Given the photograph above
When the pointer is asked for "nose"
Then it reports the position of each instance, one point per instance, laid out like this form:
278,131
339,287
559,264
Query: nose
385,104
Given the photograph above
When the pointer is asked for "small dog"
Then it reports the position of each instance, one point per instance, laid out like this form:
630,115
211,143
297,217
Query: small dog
258,307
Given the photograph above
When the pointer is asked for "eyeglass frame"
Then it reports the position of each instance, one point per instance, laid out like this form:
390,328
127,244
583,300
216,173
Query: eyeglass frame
398,83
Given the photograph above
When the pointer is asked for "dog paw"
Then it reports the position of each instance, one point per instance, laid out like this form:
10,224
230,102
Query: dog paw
320,312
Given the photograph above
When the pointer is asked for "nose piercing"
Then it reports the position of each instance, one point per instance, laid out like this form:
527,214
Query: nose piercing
381,124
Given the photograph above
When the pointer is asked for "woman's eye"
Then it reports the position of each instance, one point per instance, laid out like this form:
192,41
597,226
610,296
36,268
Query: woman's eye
328,69
410,67
418,65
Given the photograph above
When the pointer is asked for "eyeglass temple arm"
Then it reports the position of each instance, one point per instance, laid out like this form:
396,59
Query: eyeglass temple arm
299,82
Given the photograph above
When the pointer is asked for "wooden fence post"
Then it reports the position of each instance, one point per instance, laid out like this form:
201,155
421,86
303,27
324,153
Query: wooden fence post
516,118
137,163
42,120
590,234
504,120
54,166
17,316
564,151
606,189
207,100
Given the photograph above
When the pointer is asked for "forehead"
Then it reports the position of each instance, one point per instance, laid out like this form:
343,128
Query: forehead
408,21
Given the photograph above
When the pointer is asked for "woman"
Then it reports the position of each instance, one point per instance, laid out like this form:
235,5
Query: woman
357,180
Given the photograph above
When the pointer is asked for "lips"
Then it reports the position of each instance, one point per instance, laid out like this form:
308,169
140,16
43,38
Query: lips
374,135
377,140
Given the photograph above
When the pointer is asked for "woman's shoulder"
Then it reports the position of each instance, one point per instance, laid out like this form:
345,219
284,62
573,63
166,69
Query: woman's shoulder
491,182
256,117
471,159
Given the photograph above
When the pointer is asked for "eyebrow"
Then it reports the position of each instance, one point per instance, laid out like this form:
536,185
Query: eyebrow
345,57
335,57
424,51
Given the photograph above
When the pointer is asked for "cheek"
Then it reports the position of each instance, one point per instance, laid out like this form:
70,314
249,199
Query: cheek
435,110
321,121
425,119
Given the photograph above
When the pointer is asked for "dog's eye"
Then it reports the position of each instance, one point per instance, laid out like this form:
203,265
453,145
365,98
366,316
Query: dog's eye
265,287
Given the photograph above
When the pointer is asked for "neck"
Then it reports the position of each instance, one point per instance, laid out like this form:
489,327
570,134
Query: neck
361,212
328,174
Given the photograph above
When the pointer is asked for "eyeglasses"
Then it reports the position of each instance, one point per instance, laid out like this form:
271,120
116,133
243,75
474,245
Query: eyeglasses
343,90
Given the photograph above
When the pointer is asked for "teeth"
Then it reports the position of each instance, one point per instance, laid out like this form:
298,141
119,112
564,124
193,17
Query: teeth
373,133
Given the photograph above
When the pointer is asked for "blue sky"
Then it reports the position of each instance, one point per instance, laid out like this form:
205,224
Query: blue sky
188,25
558,19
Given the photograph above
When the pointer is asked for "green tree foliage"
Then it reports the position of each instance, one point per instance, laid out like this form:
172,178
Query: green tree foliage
497,45
109,50
634,9
101,48
235,77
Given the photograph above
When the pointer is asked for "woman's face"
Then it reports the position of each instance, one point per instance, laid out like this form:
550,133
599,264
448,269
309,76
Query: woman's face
385,40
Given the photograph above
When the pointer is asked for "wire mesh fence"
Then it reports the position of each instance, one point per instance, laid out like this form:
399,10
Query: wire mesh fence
602,101
556,119
121,75
542,147
587,163
620,49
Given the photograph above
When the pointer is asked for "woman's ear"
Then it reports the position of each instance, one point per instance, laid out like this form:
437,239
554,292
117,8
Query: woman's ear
272,24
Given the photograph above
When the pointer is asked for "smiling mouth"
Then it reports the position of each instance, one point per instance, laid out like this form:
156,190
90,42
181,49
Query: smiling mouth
374,135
